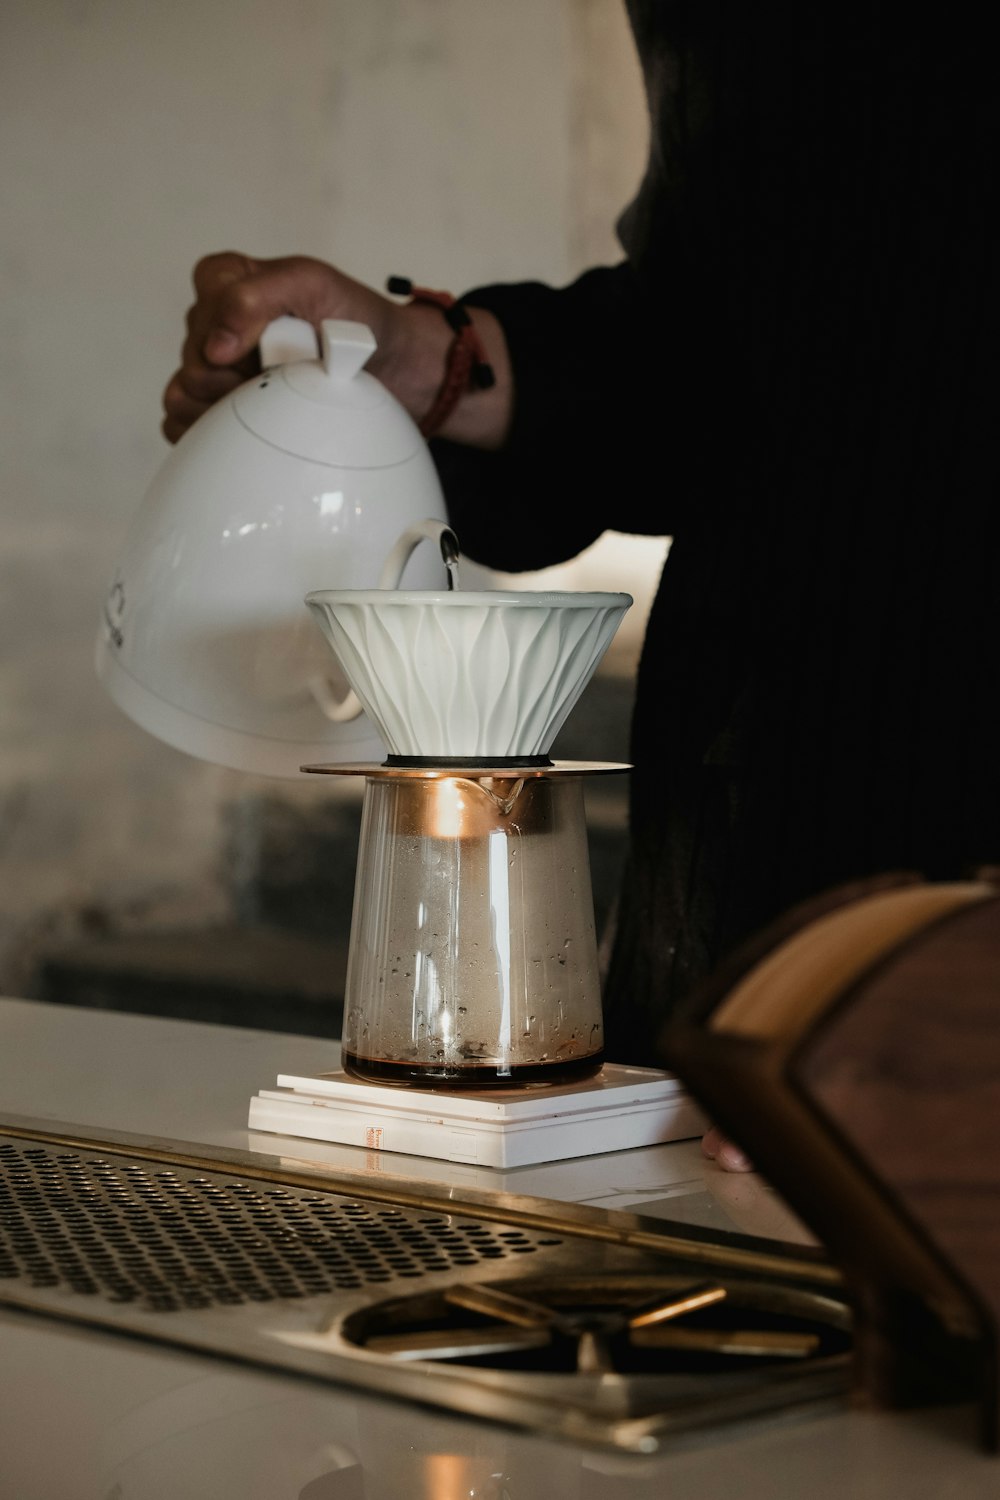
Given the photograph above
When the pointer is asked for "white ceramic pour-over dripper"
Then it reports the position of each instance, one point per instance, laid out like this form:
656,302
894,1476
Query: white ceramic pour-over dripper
468,675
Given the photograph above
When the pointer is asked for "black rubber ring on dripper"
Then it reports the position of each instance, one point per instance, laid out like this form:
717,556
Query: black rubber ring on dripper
468,762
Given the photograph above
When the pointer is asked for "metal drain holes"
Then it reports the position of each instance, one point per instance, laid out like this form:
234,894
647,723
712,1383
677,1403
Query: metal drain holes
99,1226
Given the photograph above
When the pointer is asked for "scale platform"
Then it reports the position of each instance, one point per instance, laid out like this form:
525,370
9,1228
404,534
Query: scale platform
618,1109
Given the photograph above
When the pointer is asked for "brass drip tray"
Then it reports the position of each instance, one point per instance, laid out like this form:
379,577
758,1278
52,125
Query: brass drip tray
580,1323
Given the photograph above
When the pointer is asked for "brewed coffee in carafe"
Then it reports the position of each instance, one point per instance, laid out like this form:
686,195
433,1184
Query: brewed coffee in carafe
473,958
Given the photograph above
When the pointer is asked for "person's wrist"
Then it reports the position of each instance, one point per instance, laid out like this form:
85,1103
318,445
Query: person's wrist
411,359
412,362
483,416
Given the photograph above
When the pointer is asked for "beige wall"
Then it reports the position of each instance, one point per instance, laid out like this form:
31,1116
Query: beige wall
453,140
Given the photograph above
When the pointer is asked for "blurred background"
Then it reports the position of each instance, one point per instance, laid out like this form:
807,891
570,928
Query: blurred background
454,141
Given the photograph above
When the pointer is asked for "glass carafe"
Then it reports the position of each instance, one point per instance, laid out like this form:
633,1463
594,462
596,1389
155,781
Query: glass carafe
473,958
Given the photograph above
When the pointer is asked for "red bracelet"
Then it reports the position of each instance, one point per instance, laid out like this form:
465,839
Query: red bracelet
466,365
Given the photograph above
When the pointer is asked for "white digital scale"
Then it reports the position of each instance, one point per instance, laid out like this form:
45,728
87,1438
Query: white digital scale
619,1108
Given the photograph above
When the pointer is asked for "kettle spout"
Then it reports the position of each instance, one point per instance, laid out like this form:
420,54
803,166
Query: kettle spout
429,530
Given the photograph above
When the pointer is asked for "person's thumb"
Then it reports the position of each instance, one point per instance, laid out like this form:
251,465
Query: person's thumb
249,294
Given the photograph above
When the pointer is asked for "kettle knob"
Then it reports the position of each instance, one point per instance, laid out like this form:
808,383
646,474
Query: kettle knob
347,347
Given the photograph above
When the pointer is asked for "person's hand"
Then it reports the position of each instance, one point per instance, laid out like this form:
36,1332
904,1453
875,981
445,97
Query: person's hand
724,1152
236,296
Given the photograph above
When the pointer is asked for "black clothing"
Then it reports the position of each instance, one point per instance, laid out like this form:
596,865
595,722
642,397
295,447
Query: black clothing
793,374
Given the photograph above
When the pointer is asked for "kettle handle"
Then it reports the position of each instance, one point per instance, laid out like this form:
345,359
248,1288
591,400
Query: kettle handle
337,710
340,711
343,347
286,341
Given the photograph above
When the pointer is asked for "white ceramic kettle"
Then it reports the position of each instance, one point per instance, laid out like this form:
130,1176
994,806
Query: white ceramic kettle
302,479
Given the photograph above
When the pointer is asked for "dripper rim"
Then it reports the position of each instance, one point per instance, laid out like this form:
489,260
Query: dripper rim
550,599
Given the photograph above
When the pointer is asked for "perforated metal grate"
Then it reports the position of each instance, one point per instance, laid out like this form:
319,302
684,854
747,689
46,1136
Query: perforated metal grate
166,1240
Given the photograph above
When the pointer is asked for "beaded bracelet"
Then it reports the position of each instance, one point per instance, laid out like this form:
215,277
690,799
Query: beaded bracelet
466,364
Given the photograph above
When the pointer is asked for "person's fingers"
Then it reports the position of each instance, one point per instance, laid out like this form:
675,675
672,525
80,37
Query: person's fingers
185,400
180,412
236,297
213,272
173,430
196,384
213,275
205,382
241,303
182,407
732,1159
724,1152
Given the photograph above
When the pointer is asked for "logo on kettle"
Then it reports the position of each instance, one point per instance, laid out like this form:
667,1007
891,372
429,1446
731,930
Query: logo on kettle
114,611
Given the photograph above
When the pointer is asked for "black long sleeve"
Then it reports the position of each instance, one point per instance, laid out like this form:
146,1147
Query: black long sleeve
799,384
605,425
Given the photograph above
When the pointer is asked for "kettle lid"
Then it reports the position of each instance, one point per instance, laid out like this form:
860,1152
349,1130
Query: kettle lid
330,410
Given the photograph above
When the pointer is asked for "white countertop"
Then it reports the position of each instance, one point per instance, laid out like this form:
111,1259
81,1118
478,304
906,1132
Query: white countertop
190,1082
86,1416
